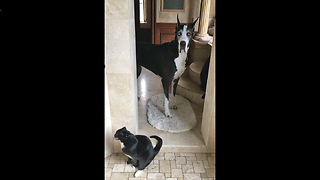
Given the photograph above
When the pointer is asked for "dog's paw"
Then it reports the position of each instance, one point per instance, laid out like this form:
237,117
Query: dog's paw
174,107
169,115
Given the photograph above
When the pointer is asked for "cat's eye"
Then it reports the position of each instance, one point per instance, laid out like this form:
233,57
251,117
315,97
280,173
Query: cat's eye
188,34
179,33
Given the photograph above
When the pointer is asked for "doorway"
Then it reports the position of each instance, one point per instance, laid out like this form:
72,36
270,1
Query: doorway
143,13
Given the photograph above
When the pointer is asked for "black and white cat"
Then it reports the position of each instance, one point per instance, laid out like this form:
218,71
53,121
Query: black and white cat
138,148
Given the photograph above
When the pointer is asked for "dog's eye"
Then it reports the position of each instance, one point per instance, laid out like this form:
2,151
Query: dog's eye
179,33
188,34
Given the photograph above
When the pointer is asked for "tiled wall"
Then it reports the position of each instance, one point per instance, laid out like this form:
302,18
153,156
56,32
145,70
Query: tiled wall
121,109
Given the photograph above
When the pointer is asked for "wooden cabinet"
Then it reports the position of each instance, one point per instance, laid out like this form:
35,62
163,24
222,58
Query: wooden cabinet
164,32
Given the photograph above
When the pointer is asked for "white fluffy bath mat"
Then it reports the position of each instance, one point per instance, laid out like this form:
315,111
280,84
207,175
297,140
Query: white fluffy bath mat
183,118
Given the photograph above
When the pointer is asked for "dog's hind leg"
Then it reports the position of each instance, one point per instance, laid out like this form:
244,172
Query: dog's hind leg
166,85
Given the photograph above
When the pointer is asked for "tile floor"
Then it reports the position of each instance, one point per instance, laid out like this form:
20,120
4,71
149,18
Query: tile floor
165,166
149,84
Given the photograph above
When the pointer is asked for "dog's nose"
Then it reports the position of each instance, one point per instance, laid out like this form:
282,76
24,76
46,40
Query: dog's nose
182,43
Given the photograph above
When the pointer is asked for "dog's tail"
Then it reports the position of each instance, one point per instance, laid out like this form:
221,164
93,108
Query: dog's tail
159,144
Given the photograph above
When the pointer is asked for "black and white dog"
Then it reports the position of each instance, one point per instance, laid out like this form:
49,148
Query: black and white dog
168,60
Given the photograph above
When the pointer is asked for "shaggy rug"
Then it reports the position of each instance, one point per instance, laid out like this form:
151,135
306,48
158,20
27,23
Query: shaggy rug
183,118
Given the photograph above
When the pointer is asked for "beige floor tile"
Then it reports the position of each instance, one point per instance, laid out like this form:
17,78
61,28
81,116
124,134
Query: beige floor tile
168,175
176,173
192,176
210,172
187,168
156,176
115,158
189,162
181,160
164,166
201,157
108,172
173,164
191,158
110,165
198,167
138,178
187,154
118,176
153,168
118,168
129,168
206,164
211,161
156,161
169,156
171,178
203,175
159,156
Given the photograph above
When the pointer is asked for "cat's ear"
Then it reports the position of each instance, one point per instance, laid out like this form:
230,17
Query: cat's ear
124,128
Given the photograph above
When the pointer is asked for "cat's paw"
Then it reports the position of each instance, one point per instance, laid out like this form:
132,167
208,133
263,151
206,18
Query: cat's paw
138,173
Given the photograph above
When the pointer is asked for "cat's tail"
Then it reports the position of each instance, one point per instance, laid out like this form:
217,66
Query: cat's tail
159,144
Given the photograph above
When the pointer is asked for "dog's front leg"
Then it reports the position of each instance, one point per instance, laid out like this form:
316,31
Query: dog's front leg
173,92
166,85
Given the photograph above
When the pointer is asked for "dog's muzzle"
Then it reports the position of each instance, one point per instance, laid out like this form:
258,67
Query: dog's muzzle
183,46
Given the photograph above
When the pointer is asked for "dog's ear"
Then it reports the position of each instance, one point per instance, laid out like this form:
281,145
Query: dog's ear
194,22
178,22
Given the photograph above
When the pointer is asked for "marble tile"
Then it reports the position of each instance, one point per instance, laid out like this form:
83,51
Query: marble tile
187,168
169,156
164,166
173,164
153,168
116,9
176,173
210,172
193,176
118,168
181,160
201,156
198,167
118,176
156,176
188,154
191,158
108,172
129,168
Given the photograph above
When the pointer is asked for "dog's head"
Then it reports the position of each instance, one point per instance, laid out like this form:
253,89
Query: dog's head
184,34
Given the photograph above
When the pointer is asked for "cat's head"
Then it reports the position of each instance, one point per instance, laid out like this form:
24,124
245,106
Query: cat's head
122,134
